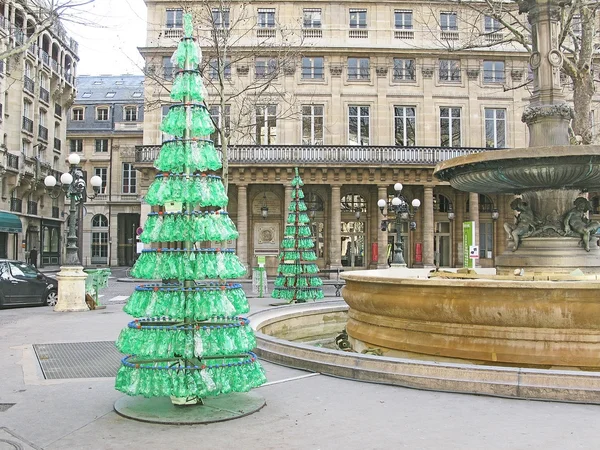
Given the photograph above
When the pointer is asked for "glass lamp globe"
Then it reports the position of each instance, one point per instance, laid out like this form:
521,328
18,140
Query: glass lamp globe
96,181
74,159
50,181
381,203
396,201
66,178
416,203
398,187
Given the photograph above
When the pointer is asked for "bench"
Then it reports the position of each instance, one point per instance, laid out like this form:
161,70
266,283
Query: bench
337,282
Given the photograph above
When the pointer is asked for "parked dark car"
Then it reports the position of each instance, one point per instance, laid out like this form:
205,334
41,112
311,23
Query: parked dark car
21,284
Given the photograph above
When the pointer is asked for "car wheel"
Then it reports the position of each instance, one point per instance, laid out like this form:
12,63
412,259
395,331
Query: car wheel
51,298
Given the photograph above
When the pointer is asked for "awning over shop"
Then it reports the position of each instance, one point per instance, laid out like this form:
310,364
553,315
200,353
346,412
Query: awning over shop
9,223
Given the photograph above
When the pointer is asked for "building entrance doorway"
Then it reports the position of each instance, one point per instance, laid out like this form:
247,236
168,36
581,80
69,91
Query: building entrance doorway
442,245
353,244
127,224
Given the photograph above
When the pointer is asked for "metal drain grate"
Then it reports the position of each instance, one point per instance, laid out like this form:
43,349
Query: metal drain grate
78,359
5,406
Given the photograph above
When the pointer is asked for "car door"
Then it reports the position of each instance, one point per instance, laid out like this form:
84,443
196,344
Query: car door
27,289
7,287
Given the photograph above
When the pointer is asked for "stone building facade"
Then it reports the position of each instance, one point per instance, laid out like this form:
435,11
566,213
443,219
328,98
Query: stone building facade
38,86
104,126
377,93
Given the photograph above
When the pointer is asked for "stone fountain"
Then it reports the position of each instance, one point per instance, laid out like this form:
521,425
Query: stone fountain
549,317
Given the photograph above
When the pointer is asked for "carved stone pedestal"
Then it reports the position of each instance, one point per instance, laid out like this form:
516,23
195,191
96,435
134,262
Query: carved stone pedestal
552,255
71,289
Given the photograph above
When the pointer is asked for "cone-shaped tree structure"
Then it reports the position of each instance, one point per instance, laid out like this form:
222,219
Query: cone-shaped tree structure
189,339
298,280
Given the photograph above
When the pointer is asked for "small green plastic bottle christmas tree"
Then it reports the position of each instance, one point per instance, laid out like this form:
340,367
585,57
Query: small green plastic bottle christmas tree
297,279
189,339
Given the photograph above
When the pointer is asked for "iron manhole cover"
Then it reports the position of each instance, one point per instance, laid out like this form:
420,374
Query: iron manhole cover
99,359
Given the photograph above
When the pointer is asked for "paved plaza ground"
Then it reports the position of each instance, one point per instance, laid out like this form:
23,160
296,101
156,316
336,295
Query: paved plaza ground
304,410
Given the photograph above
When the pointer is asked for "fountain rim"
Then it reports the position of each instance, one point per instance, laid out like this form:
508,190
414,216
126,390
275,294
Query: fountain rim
445,169
496,381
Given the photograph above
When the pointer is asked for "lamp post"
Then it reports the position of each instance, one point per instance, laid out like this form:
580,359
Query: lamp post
264,210
404,212
71,278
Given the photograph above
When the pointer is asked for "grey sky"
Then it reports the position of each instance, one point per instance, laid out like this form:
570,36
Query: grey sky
111,47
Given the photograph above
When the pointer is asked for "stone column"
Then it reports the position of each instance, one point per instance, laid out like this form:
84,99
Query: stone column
382,236
286,202
335,241
71,289
242,224
428,231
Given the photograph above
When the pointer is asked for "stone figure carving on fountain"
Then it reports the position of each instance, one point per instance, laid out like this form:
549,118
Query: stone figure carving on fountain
525,222
577,222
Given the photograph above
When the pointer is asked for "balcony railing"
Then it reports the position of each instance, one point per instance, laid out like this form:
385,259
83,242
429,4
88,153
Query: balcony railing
44,95
57,144
12,161
57,110
299,154
27,124
55,212
16,205
32,208
43,133
45,57
28,84
312,32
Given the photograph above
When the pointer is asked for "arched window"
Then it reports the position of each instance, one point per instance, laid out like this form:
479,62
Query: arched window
353,203
99,220
444,203
486,205
313,202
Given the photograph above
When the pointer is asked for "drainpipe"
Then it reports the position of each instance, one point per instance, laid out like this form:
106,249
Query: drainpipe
110,186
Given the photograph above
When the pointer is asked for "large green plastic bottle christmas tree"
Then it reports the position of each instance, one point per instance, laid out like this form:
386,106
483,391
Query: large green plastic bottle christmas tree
297,279
189,339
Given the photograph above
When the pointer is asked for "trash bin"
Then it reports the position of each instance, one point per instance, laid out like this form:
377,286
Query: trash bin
96,279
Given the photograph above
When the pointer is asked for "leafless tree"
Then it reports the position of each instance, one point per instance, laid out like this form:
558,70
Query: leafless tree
247,57
494,23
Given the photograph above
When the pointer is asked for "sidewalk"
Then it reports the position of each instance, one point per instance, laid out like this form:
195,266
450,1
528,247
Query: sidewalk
304,410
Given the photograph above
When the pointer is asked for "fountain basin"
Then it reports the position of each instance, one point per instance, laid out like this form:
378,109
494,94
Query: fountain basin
524,169
511,382
491,321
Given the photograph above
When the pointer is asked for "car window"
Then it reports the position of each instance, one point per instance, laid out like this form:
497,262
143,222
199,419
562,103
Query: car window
22,270
4,271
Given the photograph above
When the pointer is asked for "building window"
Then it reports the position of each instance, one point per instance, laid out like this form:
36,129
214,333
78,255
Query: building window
266,124
449,70
403,20
131,113
266,18
495,128
404,69
448,21
102,172
358,18
358,125
450,127
164,112
404,125
313,68
312,18
110,94
312,124
168,68
101,145
76,145
265,67
174,18
486,239
77,114
493,71
129,179
491,25
213,68
137,95
86,95
220,120
99,245
220,17
358,69
576,25
102,114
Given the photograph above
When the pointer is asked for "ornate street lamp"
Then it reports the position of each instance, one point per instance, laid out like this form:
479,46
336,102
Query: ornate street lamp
71,292
404,213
